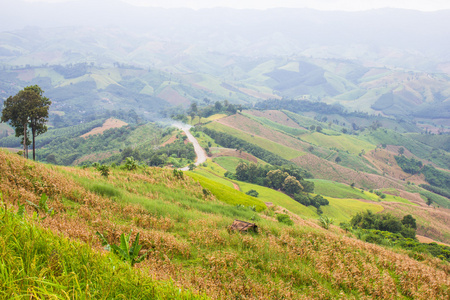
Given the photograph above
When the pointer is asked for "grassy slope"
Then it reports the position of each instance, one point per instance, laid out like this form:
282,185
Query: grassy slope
341,142
283,151
185,231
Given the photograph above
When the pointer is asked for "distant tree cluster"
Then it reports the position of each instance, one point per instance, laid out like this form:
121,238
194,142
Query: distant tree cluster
439,180
286,178
386,222
411,166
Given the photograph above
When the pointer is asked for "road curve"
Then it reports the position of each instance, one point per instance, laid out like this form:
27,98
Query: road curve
201,155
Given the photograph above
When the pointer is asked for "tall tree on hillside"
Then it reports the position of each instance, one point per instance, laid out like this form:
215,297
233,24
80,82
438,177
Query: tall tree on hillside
38,113
28,108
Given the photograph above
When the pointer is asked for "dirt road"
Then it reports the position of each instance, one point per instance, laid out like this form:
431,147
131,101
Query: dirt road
201,155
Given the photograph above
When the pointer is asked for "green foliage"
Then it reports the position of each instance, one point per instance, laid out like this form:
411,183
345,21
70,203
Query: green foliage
124,251
42,207
104,170
387,238
253,193
385,222
130,164
273,177
178,174
411,166
285,219
325,222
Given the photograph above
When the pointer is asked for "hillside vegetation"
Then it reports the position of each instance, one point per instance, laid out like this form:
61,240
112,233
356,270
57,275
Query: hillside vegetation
184,231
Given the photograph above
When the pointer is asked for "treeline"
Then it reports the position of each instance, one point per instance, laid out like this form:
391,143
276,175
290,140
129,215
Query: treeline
205,111
71,71
229,141
386,222
388,230
439,180
287,179
411,166
297,106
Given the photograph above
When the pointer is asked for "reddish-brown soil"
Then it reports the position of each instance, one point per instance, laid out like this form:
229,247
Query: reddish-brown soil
324,169
110,123
169,141
234,153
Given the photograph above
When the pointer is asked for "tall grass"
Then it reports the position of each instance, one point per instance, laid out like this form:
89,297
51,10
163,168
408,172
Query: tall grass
35,264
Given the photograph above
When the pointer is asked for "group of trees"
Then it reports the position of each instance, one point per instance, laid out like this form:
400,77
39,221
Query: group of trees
439,181
28,109
386,222
286,178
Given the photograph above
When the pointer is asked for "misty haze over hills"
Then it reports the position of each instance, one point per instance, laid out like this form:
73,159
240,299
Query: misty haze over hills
389,60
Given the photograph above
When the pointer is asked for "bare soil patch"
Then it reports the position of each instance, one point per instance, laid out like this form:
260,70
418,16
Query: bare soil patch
324,169
234,153
169,141
110,123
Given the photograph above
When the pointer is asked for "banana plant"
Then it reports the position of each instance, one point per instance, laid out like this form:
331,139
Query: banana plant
123,250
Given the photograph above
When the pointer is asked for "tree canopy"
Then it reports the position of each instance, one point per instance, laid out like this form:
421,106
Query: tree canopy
27,109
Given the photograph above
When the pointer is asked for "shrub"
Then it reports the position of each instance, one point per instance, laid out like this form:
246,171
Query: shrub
252,193
285,219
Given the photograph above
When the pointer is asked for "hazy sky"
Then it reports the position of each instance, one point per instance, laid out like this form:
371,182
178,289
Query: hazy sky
348,5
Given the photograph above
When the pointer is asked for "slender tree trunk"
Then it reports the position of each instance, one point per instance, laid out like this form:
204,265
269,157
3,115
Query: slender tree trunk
33,132
25,140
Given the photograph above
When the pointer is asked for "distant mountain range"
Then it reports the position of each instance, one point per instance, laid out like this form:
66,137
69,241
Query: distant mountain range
113,55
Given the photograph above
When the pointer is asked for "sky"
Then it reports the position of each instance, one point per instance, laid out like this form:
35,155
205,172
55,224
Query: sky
345,5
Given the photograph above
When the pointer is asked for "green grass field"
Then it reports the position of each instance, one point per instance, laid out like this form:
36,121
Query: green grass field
342,210
227,194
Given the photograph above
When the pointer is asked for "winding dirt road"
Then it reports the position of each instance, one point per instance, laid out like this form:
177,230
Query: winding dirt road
201,155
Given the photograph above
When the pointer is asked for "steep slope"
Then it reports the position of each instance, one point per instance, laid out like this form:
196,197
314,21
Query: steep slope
184,229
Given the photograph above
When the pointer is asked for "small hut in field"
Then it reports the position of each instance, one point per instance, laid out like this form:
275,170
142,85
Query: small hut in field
243,226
